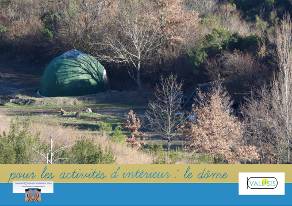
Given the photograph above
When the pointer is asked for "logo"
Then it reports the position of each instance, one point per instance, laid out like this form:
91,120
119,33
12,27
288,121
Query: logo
33,189
33,195
261,183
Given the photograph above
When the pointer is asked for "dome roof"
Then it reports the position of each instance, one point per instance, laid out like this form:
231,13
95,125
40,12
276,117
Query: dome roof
73,74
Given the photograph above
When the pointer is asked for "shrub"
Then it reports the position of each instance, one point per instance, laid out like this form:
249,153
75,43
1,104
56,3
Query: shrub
198,55
3,29
7,154
217,41
217,132
166,157
160,156
50,21
249,43
133,123
212,44
241,71
86,152
228,17
48,33
118,136
17,145
105,128
220,40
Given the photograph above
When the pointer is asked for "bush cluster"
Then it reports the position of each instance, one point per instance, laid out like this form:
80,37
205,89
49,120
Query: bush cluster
86,152
17,145
20,146
220,40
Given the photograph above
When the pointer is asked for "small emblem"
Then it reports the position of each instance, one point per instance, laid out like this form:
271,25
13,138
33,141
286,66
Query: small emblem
32,195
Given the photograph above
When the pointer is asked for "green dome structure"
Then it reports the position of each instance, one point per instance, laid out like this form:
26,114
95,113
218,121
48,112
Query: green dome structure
73,74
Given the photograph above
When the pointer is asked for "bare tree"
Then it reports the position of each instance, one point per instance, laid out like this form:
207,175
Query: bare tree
81,23
144,32
282,87
260,125
164,112
135,37
50,155
269,120
179,26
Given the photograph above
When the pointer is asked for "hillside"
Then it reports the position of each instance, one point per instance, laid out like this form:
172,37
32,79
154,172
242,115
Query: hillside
167,81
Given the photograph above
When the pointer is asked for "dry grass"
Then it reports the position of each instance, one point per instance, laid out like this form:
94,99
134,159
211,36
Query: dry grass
4,123
67,136
58,101
125,154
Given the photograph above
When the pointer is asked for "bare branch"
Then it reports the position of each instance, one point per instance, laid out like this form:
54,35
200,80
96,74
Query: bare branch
164,113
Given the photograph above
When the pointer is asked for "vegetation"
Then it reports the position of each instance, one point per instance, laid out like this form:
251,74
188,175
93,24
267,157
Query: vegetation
216,131
86,152
21,146
164,113
268,118
16,145
171,54
118,135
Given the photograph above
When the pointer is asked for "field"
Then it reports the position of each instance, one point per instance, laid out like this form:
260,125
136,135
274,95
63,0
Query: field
105,124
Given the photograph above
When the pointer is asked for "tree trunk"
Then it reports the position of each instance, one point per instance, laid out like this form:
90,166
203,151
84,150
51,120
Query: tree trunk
288,158
138,78
168,143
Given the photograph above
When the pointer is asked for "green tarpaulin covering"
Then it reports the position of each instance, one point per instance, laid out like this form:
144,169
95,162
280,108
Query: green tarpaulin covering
72,74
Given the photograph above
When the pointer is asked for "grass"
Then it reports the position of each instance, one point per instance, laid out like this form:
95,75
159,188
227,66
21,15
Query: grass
176,156
48,111
46,120
54,106
109,109
68,135
86,121
67,129
111,113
